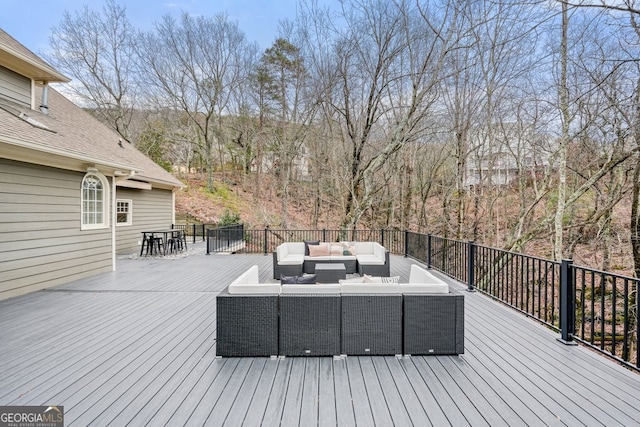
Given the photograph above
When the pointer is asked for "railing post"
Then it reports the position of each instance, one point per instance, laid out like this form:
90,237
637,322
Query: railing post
406,243
567,303
471,265
208,249
324,234
265,240
428,250
382,237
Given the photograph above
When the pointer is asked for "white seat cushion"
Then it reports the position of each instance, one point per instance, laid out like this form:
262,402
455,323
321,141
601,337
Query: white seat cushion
424,288
291,260
260,288
370,288
369,259
318,288
318,258
343,258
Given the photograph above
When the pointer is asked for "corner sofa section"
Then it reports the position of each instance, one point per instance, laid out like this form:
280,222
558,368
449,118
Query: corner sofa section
422,316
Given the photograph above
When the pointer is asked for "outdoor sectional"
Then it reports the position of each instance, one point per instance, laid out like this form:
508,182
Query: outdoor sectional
296,258
422,317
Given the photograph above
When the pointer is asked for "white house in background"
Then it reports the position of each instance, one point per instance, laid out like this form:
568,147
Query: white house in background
300,169
72,193
499,154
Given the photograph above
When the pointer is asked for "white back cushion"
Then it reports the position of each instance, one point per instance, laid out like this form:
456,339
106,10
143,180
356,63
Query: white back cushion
364,248
249,277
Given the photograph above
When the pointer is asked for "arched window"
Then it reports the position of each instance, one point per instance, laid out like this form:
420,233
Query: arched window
95,201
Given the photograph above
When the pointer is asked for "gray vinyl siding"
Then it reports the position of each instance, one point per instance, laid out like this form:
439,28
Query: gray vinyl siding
41,244
15,87
152,210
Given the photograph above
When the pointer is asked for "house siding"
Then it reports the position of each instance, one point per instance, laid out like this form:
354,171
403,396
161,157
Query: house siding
15,87
41,244
152,210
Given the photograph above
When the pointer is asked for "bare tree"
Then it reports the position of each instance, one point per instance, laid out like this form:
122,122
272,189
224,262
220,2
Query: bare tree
386,61
284,79
97,50
194,65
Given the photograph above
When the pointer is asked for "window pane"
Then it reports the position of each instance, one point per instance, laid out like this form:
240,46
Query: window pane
93,205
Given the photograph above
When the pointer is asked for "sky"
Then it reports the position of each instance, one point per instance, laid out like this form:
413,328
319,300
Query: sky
30,22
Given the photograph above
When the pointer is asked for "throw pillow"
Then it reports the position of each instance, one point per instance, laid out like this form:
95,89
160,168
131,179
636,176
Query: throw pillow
309,242
372,279
351,280
307,279
346,252
288,280
321,249
336,249
393,279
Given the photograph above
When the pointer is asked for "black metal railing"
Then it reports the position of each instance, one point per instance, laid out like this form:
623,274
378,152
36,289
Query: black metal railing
267,240
526,283
230,238
606,313
596,308
195,232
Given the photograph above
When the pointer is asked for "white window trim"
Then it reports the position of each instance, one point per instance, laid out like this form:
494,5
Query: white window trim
129,214
106,202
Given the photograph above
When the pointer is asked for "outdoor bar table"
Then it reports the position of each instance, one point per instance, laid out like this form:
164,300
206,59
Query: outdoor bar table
148,236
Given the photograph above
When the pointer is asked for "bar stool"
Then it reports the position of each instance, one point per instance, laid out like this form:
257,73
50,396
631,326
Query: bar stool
147,244
175,243
157,243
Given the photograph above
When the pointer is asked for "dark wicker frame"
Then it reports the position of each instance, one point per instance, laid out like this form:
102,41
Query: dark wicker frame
433,323
375,269
371,324
309,324
247,325
286,270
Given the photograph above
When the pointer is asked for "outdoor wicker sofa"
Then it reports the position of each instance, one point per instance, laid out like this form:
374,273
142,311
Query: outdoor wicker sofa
296,258
421,317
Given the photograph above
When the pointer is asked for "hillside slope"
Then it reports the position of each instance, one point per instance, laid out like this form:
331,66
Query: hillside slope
234,196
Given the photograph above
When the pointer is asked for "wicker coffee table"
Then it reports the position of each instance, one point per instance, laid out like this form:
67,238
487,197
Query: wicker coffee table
330,273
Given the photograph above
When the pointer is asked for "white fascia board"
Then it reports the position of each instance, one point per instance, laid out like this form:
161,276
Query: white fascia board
25,149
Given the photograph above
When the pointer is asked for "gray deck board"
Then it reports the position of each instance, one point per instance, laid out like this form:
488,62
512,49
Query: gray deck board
345,415
137,347
260,397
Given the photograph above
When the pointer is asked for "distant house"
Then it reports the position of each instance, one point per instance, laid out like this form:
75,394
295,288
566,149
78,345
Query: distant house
73,195
500,154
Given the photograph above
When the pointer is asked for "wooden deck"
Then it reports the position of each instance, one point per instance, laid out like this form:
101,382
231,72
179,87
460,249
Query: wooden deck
137,347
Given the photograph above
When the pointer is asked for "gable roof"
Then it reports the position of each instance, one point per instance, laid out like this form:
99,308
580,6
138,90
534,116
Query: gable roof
66,137
70,138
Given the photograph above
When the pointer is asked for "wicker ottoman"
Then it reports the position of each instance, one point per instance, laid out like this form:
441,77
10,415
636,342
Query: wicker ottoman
330,273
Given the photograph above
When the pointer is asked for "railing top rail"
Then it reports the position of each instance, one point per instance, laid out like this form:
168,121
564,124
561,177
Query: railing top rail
607,273
519,254
464,242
